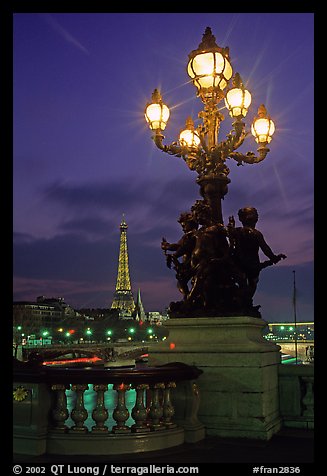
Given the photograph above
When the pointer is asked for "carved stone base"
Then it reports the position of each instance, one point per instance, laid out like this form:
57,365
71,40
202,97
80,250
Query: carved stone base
239,385
114,444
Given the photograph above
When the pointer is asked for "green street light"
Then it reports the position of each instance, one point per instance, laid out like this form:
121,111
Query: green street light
131,330
149,330
109,332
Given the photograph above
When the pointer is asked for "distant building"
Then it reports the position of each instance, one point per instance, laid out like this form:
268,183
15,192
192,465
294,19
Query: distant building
47,316
45,313
284,331
123,298
139,311
156,317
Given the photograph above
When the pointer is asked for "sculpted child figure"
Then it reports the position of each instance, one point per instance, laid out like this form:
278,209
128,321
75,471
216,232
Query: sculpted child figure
246,241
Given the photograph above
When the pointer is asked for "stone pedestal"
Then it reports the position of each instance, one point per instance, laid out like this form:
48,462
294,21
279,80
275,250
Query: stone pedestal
30,418
239,385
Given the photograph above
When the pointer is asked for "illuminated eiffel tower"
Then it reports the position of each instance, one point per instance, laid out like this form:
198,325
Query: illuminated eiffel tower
123,297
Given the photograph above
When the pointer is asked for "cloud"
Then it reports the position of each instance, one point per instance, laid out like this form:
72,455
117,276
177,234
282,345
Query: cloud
145,203
77,294
152,206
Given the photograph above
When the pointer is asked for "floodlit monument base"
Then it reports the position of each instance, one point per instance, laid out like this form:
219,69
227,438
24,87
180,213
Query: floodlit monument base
239,385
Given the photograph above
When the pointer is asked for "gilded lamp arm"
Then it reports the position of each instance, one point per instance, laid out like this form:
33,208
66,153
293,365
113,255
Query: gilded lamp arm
195,157
250,157
172,149
262,129
234,140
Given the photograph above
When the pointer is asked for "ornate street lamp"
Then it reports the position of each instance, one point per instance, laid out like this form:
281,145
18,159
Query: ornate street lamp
157,113
210,70
220,265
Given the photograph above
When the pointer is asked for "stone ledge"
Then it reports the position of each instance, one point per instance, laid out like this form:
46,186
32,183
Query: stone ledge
111,444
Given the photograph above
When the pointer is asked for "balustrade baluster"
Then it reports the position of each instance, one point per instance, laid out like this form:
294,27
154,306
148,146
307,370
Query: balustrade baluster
121,413
100,413
79,413
139,412
60,412
156,409
308,399
168,409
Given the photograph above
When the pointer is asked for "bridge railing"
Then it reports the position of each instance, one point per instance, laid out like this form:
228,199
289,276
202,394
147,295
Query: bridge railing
51,414
296,395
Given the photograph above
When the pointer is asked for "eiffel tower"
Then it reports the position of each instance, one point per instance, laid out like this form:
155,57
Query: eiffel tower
123,297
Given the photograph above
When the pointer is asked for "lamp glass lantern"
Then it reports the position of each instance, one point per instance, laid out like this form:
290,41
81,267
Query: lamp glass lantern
188,136
262,127
209,66
156,112
237,98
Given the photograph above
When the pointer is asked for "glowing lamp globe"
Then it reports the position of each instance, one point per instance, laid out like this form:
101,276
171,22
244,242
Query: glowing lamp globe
156,113
188,137
237,99
209,66
262,127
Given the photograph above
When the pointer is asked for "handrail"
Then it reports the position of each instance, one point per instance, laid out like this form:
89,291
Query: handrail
175,371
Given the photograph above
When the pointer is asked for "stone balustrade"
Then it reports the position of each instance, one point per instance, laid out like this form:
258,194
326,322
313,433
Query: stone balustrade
151,408
296,395
51,414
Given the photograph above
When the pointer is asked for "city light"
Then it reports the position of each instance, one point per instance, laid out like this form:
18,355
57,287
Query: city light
72,361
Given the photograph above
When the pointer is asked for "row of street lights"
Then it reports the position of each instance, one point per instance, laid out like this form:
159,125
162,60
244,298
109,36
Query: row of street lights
130,333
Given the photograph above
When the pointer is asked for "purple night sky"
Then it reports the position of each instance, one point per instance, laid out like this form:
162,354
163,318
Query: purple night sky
83,154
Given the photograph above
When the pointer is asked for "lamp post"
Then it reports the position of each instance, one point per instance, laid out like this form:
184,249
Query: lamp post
210,70
220,264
